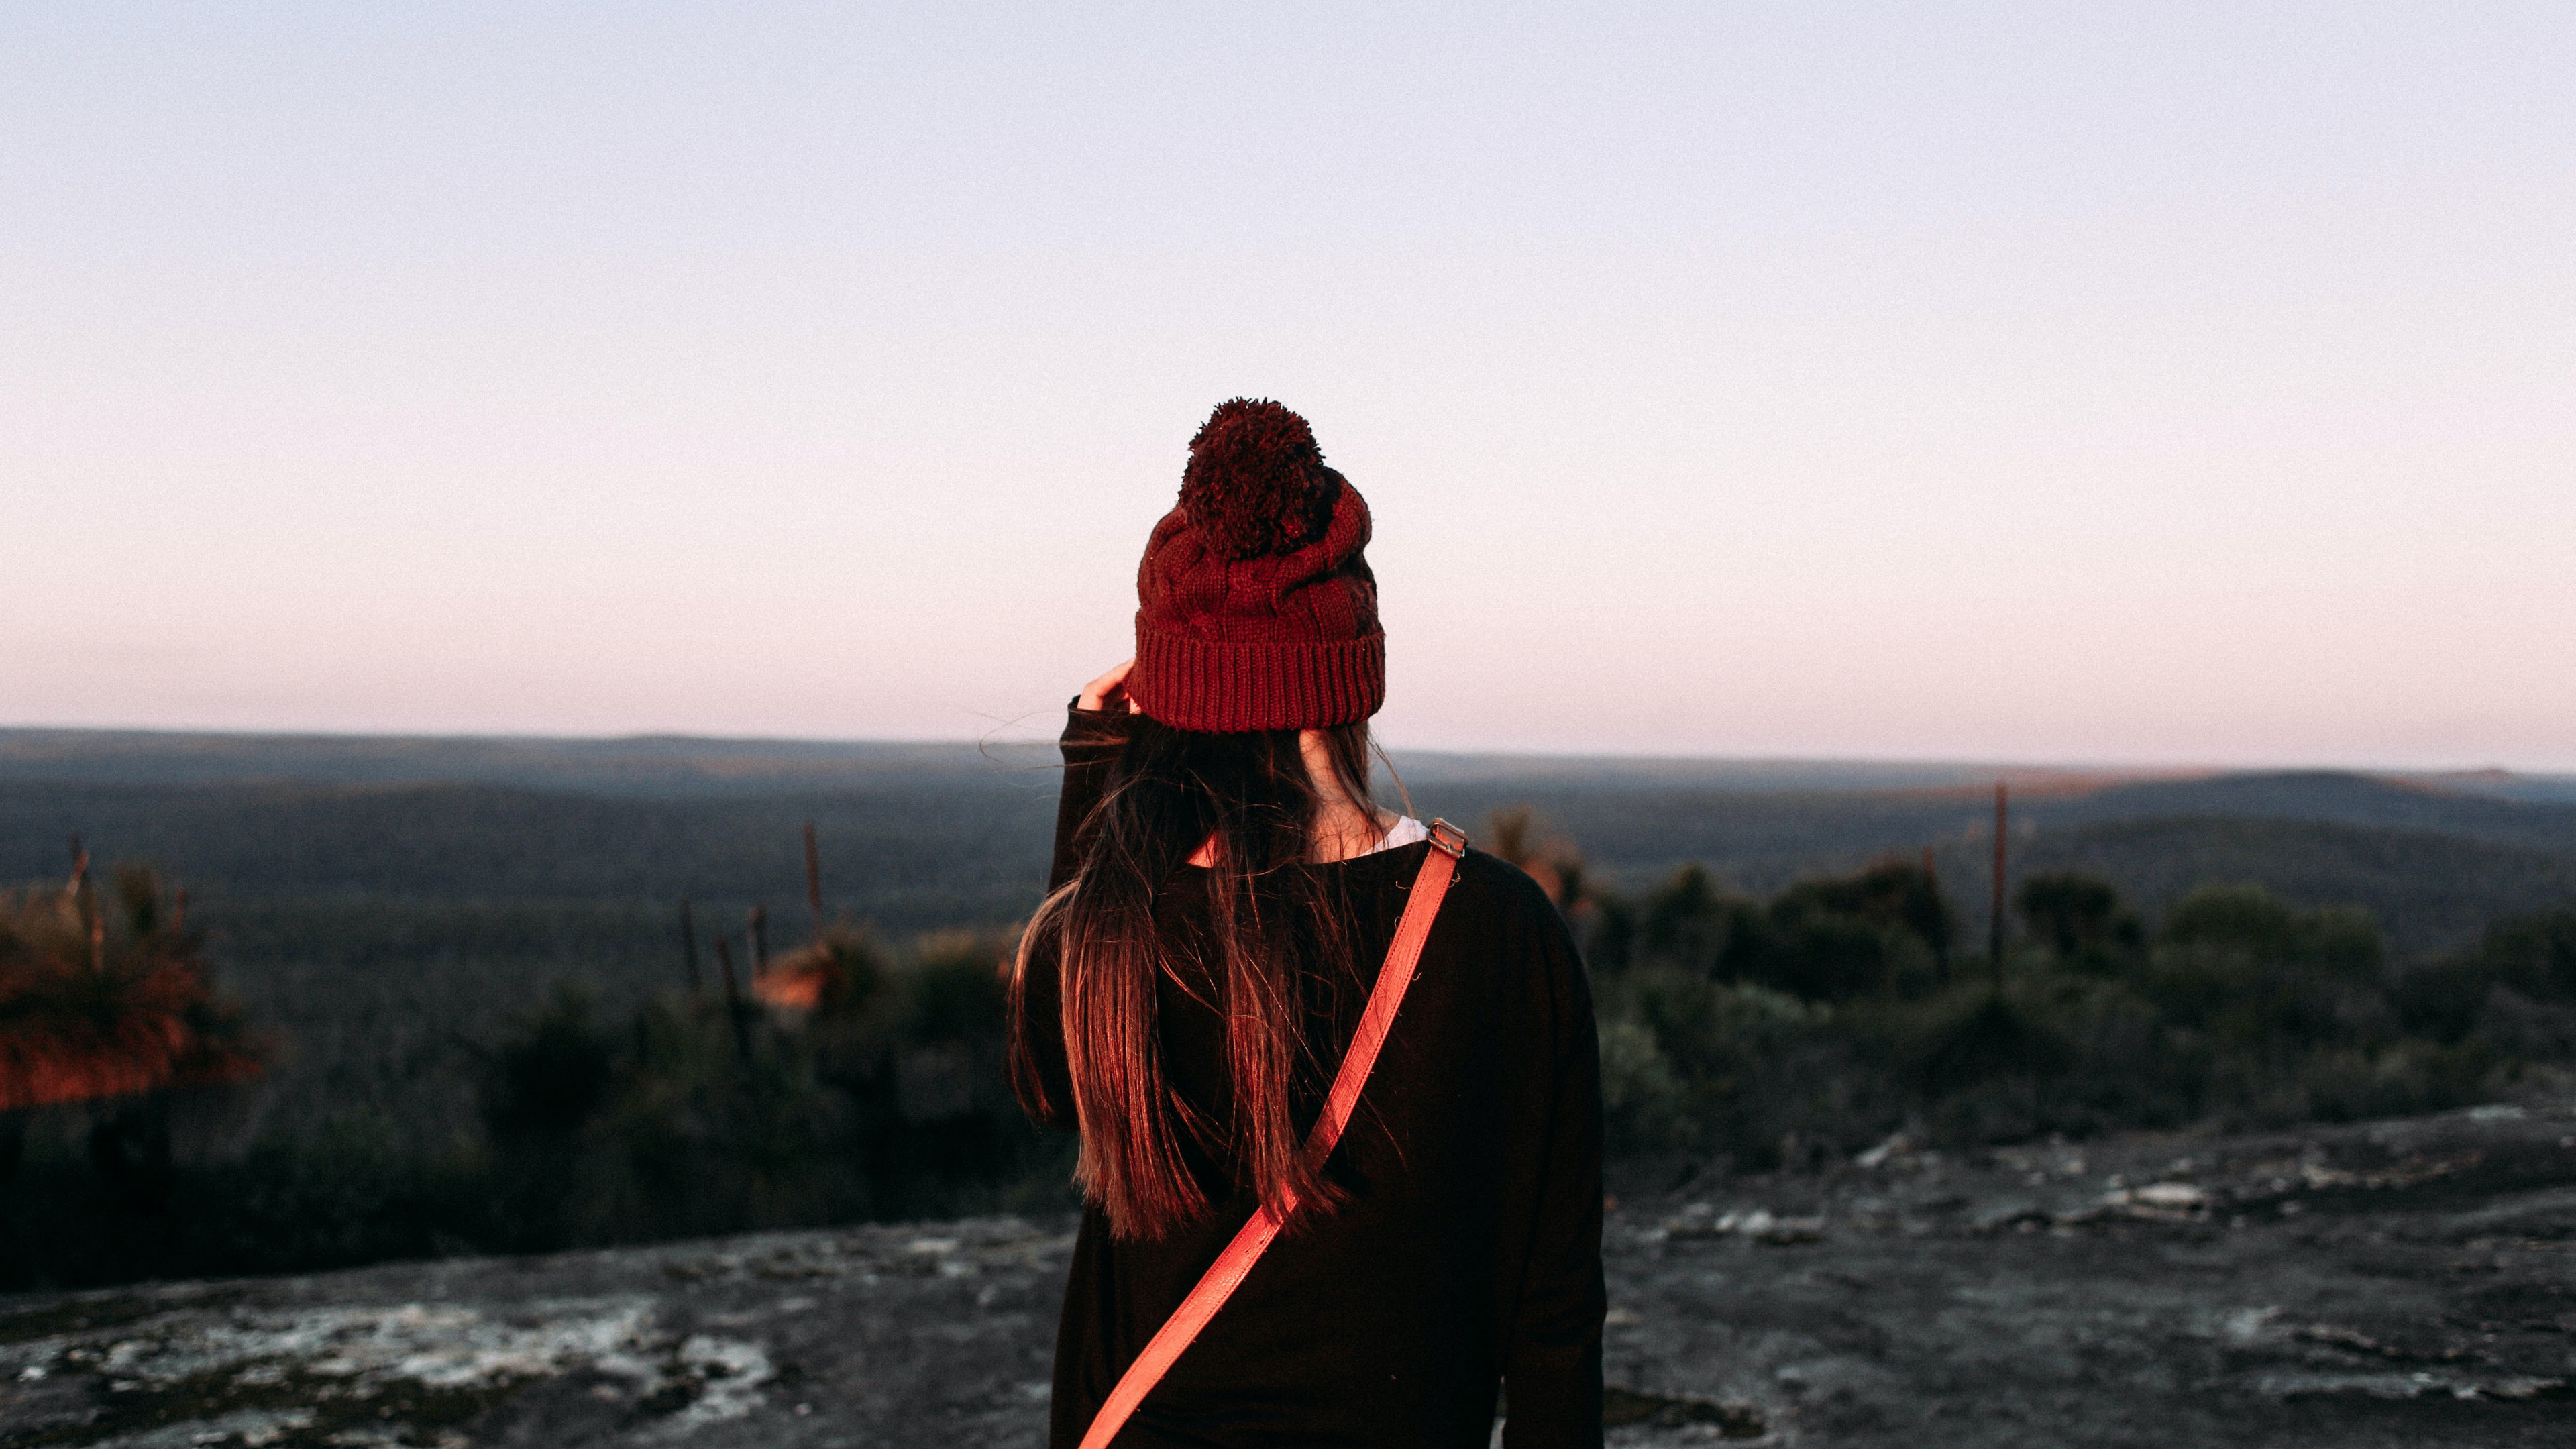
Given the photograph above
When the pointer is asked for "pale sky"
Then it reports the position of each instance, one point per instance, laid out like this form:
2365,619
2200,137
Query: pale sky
2143,383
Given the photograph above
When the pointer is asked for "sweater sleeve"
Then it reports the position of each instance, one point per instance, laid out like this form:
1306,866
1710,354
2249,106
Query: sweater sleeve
1552,1364
1091,743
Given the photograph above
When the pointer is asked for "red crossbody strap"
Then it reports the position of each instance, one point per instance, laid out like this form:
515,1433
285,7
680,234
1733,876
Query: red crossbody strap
1439,867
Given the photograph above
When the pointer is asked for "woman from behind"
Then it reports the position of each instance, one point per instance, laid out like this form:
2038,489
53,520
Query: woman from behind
1334,1073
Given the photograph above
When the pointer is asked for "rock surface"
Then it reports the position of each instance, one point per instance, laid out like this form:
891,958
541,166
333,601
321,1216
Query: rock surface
2395,1283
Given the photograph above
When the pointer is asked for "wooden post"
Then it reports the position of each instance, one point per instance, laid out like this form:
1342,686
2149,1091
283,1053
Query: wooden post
759,941
814,880
733,1000
179,913
689,946
85,901
1995,921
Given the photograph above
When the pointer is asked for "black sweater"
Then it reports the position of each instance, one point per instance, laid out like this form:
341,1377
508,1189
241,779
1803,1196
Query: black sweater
1468,1257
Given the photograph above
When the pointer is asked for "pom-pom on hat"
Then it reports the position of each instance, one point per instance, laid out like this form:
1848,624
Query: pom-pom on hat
1255,608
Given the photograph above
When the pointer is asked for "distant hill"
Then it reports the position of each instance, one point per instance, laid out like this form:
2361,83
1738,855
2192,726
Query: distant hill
642,765
918,852
2507,785
2434,869
2328,797
2430,891
677,766
918,835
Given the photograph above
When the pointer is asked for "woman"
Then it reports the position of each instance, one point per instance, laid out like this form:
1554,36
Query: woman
1224,898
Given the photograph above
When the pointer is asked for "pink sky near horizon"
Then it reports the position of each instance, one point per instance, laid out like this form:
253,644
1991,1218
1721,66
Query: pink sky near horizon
2186,386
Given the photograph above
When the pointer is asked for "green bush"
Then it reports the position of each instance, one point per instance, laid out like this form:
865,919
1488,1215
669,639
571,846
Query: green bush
1641,1098
2081,919
1807,1024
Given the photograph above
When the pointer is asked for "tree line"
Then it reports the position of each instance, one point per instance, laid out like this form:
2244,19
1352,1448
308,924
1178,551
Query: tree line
852,1077
1840,1010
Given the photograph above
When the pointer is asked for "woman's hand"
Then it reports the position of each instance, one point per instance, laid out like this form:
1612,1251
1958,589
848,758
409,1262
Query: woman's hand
1109,691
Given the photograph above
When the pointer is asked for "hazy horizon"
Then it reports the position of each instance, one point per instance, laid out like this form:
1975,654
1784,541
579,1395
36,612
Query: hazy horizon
2177,386
1046,738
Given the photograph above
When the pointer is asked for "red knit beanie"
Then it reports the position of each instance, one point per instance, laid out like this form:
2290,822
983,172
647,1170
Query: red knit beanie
1255,609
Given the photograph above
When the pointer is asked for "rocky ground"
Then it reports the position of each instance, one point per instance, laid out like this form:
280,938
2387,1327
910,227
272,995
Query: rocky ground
2396,1283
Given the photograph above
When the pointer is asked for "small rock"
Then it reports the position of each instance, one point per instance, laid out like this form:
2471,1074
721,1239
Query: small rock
2170,1195
1786,1232
1897,1145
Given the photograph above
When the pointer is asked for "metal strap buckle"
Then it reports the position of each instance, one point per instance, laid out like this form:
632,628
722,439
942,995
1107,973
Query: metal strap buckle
1449,838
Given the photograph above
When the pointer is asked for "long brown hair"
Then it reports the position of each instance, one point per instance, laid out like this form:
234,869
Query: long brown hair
1277,953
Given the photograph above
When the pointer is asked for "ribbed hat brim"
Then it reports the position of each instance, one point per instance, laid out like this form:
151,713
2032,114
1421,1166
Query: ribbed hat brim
1229,687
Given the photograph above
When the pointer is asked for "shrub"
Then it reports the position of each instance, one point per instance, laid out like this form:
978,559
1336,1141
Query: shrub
1798,1027
2081,919
1641,1099
2535,955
